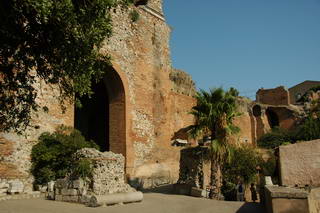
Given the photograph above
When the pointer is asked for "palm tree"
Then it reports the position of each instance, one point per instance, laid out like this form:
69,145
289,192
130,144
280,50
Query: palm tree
214,113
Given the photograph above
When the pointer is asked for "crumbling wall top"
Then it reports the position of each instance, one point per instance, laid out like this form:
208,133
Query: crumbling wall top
182,82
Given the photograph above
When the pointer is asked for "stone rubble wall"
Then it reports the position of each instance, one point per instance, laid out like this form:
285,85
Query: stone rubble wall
108,173
195,167
16,189
107,178
15,150
182,82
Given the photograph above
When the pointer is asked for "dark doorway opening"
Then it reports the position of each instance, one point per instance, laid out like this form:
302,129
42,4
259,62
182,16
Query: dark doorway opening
92,119
256,110
273,118
103,116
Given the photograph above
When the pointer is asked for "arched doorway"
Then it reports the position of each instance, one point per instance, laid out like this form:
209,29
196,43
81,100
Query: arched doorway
92,118
256,111
102,117
273,118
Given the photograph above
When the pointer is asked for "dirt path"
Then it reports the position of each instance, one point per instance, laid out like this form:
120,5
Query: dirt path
153,202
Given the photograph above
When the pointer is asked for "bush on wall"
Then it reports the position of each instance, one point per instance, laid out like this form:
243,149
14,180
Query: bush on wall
52,157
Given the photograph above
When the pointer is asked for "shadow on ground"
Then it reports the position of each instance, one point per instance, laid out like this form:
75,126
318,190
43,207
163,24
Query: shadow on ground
251,208
248,207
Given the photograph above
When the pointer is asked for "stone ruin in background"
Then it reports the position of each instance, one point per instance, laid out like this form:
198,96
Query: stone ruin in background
106,187
195,172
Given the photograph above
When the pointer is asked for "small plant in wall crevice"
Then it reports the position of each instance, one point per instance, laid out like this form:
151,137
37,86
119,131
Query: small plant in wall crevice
134,15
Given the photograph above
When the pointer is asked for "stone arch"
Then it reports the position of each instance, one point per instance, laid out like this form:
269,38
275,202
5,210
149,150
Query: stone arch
103,117
256,110
273,118
117,112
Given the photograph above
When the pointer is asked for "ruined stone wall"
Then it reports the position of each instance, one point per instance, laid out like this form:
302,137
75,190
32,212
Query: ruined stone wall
299,164
108,177
299,90
154,110
244,122
276,96
154,106
182,83
195,167
15,149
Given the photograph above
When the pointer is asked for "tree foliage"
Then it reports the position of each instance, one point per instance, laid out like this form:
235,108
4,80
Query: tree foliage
57,41
52,157
309,130
214,114
214,108
244,164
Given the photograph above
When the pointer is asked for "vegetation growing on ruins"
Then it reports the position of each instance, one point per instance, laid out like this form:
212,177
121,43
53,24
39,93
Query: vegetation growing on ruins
309,129
244,164
52,157
275,138
214,113
305,97
57,42
134,16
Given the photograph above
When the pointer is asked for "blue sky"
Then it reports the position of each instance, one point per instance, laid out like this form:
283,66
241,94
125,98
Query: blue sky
246,44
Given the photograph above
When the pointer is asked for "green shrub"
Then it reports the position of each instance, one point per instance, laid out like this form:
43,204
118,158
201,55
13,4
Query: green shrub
243,165
269,166
52,157
134,16
309,130
275,138
82,168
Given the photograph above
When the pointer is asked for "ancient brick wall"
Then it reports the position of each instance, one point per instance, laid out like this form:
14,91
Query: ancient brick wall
299,90
15,149
276,96
155,108
145,112
299,164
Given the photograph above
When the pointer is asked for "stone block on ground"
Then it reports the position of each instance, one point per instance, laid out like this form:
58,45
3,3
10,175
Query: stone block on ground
61,183
108,172
50,195
196,192
15,187
103,200
78,184
3,191
69,192
182,189
68,198
51,186
85,199
58,198
44,189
